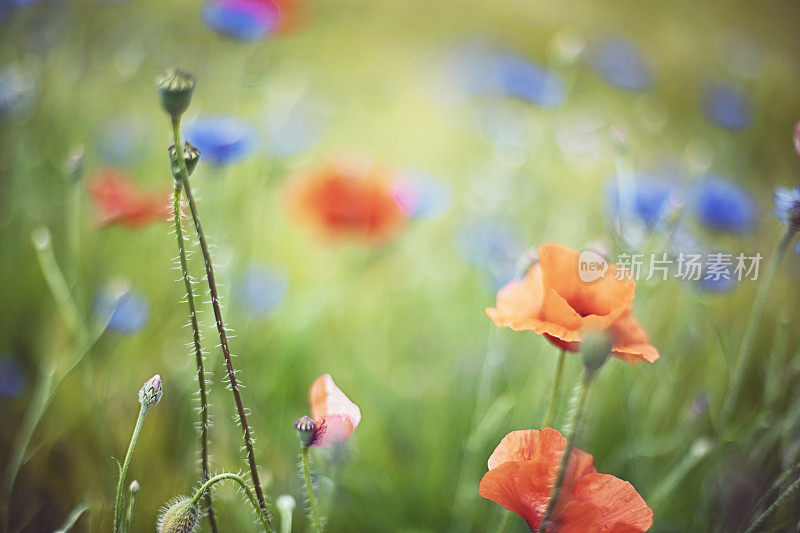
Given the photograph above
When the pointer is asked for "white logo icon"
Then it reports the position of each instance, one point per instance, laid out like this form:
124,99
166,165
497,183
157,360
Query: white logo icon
591,266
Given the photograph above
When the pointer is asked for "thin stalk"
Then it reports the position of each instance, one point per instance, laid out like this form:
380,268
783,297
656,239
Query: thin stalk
551,409
206,487
198,352
746,346
504,521
119,500
576,417
775,505
223,338
131,507
316,523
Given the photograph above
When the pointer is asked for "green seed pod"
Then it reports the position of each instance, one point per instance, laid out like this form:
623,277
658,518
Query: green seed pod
151,392
595,349
191,155
306,430
179,516
175,88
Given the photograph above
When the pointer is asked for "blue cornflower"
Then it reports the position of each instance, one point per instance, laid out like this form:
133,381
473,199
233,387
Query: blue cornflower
787,209
621,63
260,290
722,205
247,20
127,310
12,377
222,139
651,199
727,106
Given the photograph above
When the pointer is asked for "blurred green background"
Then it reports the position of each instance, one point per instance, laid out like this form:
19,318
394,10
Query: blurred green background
401,328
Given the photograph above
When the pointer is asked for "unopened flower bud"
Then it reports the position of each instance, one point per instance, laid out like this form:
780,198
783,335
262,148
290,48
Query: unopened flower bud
175,88
595,349
180,516
151,392
306,430
134,488
191,155
74,166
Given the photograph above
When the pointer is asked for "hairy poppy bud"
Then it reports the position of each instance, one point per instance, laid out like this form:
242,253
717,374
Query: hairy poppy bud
175,88
306,430
595,349
191,155
180,516
151,392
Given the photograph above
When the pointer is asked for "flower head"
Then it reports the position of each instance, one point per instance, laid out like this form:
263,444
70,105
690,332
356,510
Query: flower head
553,301
118,200
175,88
787,206
151,392
178,516
334,415
523,469
222,139
727,106
722,205
247,20
621,63
348,201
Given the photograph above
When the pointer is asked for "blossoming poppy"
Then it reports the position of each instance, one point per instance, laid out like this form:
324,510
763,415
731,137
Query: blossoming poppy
348,200
553,301
335,416
523,470
118,200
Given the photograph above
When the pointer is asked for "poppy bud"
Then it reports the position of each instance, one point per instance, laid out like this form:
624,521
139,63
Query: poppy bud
175,88
151,392
134,488
595,349
191,155
74,166
178,517
306,430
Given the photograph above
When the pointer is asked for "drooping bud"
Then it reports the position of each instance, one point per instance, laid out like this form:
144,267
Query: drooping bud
180,516
74,166
151,392
134,488
191,155
306,430
175,88
595,349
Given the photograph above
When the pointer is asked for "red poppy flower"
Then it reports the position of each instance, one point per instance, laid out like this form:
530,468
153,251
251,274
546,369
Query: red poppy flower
118,200
524,468
334,414
348,200
553,301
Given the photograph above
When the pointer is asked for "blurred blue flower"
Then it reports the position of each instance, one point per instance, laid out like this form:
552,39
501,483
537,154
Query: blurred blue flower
128,310
247,20
292,128
124,140
222,139
727,106
494,248
260,290
787,209
481,69
722,205
422,196
12,377
621,63
651,199
16,91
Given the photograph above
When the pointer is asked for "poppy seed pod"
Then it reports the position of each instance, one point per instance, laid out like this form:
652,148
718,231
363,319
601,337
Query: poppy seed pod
191,155
151,392
180,516
595,350
306,430
175,88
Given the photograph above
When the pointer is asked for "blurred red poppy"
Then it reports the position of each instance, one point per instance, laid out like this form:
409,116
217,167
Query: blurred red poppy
524,468
119,201
347,200
334,414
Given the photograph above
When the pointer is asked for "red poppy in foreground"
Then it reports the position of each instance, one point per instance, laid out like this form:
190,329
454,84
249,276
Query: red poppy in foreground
118,200
348,200
553,301
524,468
335,416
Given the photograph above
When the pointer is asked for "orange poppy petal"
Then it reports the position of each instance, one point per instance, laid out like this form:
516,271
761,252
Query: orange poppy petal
631,340
620,508
333,409
522,487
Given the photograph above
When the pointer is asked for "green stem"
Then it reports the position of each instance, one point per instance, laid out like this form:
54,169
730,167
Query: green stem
573,427
775,505
206,487
316,523
119,500
504,522
198,352
746,346
551,409
131,506
223,337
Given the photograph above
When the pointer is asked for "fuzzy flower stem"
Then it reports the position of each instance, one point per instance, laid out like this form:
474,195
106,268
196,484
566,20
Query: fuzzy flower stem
572,429
198,352
206,487
134,491
746,346
223,338
119,500
316,523
776,504
551,409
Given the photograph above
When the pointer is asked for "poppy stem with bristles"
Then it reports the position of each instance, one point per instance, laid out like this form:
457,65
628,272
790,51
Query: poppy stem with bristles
551,409
223,338
316,523
205,488
198,351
